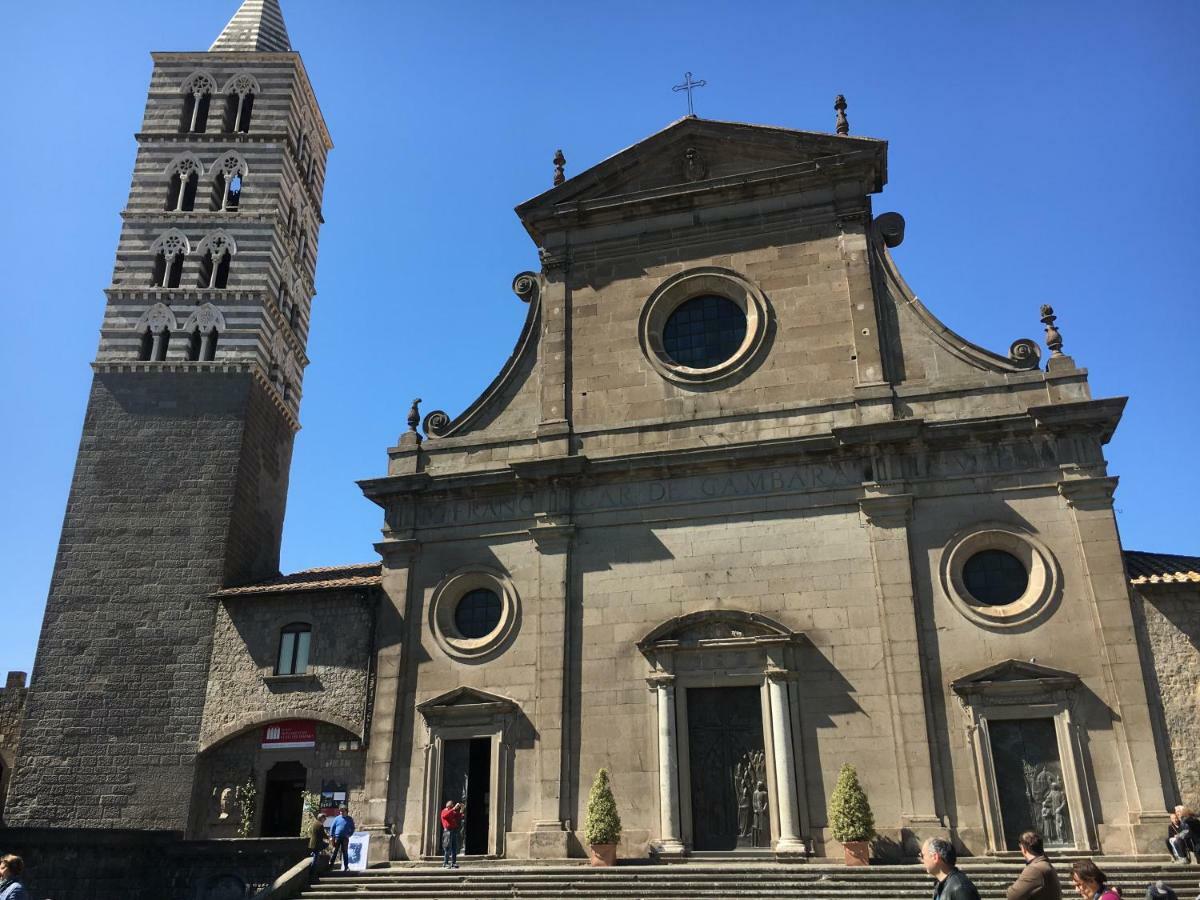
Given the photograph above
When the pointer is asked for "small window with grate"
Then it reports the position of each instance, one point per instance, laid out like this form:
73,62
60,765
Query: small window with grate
294,641
704,332
995,578
477,613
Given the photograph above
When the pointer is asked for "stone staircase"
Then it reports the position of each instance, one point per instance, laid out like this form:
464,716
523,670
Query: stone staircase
693,881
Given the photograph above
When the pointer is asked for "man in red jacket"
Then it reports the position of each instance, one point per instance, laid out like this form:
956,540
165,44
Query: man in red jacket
452,818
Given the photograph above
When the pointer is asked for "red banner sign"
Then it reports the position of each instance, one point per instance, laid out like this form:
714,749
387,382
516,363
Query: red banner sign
292,734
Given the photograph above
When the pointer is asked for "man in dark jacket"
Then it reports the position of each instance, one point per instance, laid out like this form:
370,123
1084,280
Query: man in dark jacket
1038,880
939,857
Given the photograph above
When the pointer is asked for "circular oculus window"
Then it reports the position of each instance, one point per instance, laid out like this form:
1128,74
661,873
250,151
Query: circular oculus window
703,325
999,576
474,612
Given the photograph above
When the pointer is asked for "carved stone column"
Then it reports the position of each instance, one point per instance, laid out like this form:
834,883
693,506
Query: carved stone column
1090,500
382,810
887,514
785,762
669,842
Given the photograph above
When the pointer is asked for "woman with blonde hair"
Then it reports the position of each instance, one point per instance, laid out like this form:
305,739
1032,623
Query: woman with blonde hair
11,869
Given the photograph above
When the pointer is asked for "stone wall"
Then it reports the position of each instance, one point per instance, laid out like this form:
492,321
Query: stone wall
242,687
337,760
12,708
114,708
95,864
1167,618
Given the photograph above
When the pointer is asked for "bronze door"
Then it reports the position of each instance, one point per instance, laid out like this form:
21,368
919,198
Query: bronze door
725,741
1029,780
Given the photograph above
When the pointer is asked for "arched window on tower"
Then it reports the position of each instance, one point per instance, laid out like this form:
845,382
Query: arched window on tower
169,251
183,177
197,93
216,251
239,92
294,643
203,328
155,327
228,174
302,247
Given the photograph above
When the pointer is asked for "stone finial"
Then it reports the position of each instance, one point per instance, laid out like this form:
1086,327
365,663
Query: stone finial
843,124
414,415
1053,338
560,163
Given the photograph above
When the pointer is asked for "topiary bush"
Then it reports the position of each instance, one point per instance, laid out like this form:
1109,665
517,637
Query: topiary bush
850,816
603,825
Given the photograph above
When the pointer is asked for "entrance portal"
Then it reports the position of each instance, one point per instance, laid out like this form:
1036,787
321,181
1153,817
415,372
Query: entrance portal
283,799
728,765
1029,780
467,778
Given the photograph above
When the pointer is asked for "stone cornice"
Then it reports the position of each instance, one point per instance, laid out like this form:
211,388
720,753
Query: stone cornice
217,367
884,508
1089,493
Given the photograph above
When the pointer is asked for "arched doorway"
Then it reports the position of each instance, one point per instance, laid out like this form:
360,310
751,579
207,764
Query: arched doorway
283,799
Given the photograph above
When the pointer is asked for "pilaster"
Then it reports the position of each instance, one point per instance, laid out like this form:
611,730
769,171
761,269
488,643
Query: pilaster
887,511
383,810
1090,500
669,843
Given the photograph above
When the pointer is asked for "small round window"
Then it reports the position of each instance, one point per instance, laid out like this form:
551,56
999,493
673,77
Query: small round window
704,332
477,613
995,577
999,576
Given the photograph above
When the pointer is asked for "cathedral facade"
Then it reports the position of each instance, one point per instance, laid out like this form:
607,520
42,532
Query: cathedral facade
737,510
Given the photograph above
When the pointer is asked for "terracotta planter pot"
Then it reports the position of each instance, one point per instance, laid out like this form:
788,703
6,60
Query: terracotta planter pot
603,854
858,853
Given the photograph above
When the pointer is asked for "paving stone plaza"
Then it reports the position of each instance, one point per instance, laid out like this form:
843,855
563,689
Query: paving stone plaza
738,509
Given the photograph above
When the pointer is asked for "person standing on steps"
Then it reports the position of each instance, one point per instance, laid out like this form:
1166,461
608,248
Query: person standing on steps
452,817
317,839
1038,880
939,857
340,832
11,868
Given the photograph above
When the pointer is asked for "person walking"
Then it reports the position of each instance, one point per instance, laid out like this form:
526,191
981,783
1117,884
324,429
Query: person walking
317,839
1090,882
452,818
11,869
1038,880
340,831
939,857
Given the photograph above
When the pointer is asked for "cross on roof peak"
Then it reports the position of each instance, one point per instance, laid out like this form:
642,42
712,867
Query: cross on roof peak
689,85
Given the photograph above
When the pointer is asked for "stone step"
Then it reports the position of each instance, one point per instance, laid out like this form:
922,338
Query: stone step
704,880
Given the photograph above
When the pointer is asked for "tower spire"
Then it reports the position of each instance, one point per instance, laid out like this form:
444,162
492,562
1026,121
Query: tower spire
257,27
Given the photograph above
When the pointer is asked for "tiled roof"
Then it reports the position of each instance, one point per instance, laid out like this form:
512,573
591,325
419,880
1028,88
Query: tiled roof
323,578
1161,568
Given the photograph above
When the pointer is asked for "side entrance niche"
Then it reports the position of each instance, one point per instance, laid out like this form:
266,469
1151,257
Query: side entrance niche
1028,756
724,686
467,758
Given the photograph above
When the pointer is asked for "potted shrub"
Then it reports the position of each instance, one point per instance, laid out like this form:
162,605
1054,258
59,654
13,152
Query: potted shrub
850,818
602,830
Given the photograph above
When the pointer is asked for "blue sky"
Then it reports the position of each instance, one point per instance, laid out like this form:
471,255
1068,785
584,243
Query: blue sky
1040,152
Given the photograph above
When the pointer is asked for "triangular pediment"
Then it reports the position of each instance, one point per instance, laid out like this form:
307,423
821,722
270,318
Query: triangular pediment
463,696
1013,671
692,154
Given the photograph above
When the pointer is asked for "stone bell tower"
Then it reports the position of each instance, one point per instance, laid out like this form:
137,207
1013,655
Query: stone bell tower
181,479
